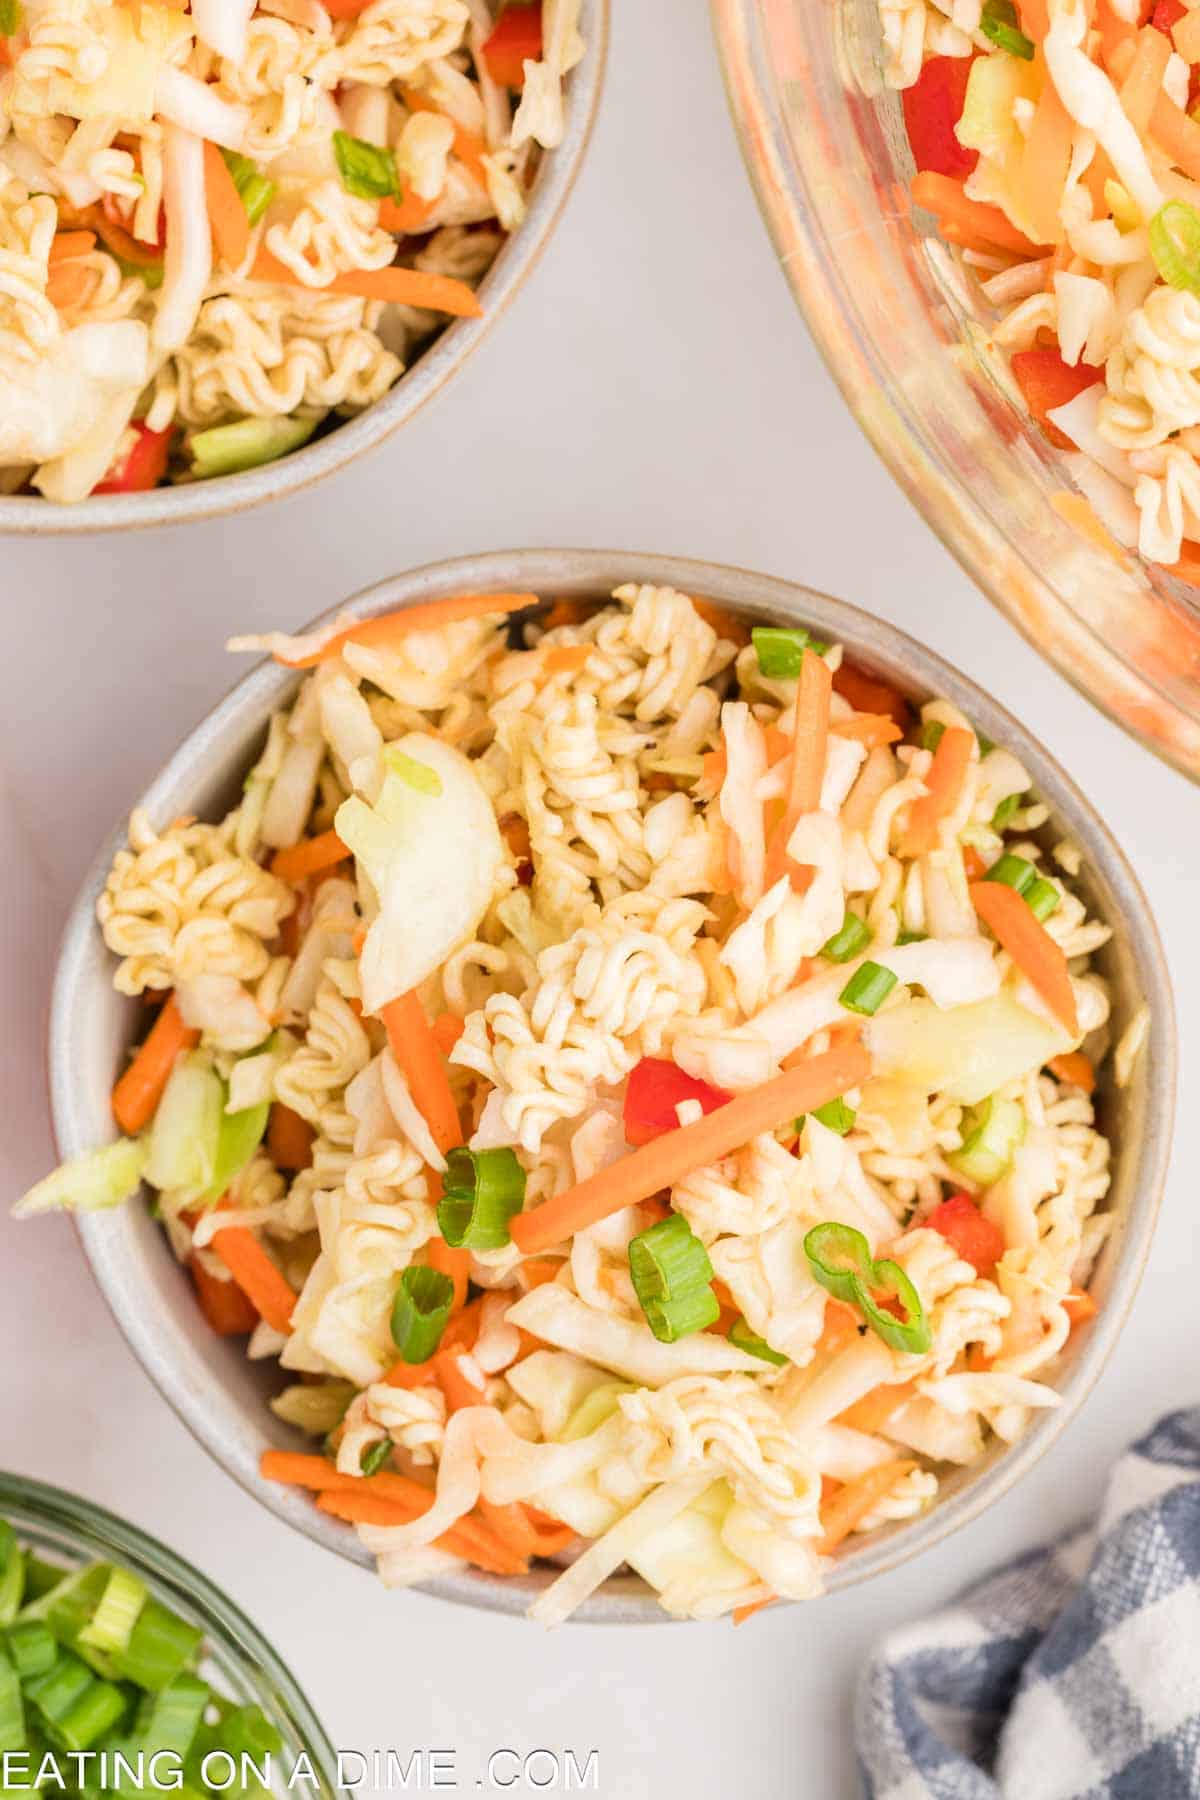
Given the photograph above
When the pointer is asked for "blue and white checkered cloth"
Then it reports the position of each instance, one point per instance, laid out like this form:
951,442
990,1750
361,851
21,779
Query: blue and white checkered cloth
1072,1674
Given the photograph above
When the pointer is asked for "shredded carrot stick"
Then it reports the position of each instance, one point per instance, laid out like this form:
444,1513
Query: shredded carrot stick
1030,945
67,244
139,1089
455,1263
68,284
469,149
225,1307
289,1138
855,1499
1178,134
869,729
510,1526
727,625
552,1534
536,1271
876,1408
740,1614
465,1538
309,856
867,695
809,747
1045,161
666,1160
410,1375
1075,1067
415,1049
256,1275
1143,84
446,1030
345,9
407,215
1079,1307
974,864
1114,31
226,213
943,195
944,780
457,1384
1035,19
565,659
122,243
401,287
427,615
463,1329
840,1325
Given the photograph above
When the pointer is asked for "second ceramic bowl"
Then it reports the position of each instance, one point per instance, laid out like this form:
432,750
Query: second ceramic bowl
222,1397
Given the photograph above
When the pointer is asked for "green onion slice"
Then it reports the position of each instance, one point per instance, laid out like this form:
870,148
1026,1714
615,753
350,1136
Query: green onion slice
741,1336
254,189
98,1710
12,17
366,170
1043,898
867,989
992,1135
904,936
932,733
1013,871
12,1707
12,1573
375,1455
780,650
161,1646
481,1190
31,1647
420,1311
111,1625
672,1278
844,945
55,1692
840,1259
999,23
1175,244
247,1731
835,1115
1005,811
175,1715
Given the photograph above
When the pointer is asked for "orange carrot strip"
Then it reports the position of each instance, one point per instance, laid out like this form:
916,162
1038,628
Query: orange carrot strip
1178,134
943,195
71,243
1035,19
740,1614
446,1030
1031,947
420,1062
1075,1067
456,1384
855,1499
536,1271
840,1325
866,695
289,1138
68,284
139,1089
228,1311
226,214
944,780
871,729
310,855
565,659
974,864
1079,1307
552,1534
345,9
669,1158
727,625
407,215
1045,161
463,1329
444,1257
1114,31
877,1407
510,1526
1143,84
427,615
465,1538
410,1375
469,149
809,747
402,287
256,1275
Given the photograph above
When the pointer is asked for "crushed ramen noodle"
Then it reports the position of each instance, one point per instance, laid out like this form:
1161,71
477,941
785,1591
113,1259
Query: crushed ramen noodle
225,229
634,1074
1056,143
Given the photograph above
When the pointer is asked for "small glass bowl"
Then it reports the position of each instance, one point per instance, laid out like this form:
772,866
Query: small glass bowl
906,335
237,1659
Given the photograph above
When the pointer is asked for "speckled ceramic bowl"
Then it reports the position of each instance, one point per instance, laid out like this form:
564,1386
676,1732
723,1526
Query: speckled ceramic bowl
208,1381
429,372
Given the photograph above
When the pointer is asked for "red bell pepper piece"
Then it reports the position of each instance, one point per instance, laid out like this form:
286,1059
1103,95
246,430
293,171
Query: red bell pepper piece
654,1090
516,39
1167,14
968,1233
1046,382
223,1303
141,466
932,108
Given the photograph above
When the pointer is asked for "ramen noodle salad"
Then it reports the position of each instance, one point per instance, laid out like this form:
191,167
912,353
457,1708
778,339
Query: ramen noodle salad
221,230
1058,143
635,1077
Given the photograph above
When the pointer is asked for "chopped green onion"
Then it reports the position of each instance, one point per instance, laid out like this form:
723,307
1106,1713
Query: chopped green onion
12,1708
160,1647
482,1189
742,1338
245,444
986,744
992,1135
32,1648
414,773
835,1115
1005,811
932,733
97,1711
253,187
867,989
780,650
844,945
420,1312
1043,898
111,1625
91,1182
1175,244
999,23
672,1278
1013,871
174,1715
367,170
40,1577
840,1259
150,273
12,1573
238,1137
12,17
247,1731
904,936
375,1455
54,1693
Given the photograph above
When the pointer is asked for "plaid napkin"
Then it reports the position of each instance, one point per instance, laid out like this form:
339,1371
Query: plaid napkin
1072,1674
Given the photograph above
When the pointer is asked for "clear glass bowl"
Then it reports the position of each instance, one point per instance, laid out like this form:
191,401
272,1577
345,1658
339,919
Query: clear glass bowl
906,337
237,1659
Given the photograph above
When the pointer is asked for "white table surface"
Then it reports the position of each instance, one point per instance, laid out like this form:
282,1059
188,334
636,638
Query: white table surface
652,388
